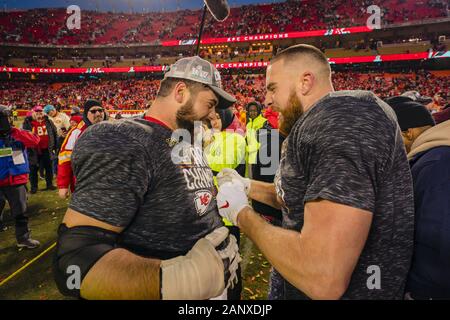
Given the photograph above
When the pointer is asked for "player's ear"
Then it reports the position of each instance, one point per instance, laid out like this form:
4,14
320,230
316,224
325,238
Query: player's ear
306,82
181,91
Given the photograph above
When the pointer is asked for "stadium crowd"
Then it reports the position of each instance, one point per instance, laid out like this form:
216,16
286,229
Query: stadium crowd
47,26
136,94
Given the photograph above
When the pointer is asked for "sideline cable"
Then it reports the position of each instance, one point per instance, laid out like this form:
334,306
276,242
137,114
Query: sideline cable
27,265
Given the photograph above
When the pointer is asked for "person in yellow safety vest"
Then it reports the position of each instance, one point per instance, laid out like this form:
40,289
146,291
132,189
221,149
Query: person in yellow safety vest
15,114
228,147
255,122
227,150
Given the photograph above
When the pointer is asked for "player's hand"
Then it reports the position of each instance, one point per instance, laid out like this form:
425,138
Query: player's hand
230,175
231,199
63,193
200,274
208,136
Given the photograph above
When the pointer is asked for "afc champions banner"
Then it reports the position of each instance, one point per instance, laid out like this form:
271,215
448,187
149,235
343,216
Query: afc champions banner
268,37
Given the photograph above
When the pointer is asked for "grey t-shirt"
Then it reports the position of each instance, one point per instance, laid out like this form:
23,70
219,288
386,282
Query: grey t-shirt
348,149
126,177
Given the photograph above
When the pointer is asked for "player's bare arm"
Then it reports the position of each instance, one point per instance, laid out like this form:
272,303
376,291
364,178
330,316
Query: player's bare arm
119,274
111,272
319,260
265,193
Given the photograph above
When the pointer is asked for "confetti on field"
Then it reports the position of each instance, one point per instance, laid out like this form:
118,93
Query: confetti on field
249,291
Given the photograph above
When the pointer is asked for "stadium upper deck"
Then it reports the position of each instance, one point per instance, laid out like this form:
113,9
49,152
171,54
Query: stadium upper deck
48,26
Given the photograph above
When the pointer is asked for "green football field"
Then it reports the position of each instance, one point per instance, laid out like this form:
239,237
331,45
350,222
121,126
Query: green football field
35,281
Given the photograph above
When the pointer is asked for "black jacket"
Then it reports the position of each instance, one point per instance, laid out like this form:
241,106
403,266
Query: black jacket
265,136
428,276
52,140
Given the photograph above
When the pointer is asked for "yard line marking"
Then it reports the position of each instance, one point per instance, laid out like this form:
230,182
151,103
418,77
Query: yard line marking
27,265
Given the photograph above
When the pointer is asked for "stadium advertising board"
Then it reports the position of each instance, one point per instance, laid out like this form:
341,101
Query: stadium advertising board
230,65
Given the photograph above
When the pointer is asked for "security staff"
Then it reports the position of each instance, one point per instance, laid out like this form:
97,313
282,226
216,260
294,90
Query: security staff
255,121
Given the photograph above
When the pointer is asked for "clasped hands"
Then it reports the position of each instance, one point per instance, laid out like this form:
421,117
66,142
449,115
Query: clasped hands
233,194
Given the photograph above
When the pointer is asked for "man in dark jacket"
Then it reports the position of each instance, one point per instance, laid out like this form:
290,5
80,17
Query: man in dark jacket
43,155
14,171
428,147
267,162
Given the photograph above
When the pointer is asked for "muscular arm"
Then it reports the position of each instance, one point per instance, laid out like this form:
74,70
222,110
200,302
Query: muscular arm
320,260
265,193
119,274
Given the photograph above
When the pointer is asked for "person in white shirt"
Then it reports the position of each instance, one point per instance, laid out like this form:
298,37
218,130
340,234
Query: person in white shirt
62,124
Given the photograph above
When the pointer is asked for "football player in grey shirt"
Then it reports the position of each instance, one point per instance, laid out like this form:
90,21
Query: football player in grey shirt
343,185
141,225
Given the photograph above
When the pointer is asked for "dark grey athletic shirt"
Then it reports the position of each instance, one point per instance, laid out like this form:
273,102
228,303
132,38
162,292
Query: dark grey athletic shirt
348,149
126,177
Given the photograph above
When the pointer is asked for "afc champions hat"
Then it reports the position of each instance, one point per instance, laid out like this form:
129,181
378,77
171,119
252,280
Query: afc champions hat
202,71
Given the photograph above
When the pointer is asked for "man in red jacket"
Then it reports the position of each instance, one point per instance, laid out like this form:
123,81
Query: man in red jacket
14,170
40,158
